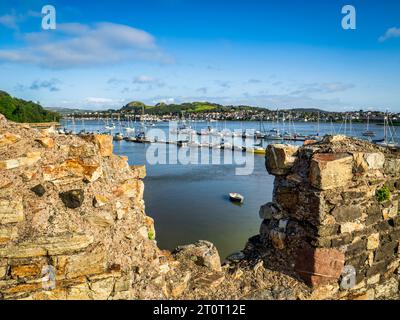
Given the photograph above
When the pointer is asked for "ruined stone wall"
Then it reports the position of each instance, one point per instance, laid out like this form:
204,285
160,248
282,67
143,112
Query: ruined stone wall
68,205
73,226
327,214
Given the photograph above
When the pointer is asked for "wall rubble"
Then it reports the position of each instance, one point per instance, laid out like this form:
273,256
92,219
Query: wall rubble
326,217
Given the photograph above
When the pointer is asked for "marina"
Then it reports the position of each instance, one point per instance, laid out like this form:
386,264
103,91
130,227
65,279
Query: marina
191,202
232,135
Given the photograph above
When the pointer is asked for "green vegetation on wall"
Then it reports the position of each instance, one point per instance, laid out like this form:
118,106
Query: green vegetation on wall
383,194
19,110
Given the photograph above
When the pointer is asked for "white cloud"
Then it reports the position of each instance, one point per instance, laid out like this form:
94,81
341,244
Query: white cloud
144,79
79,45
51,85
390,33
99,100
163,100
149,82
329,87
10,21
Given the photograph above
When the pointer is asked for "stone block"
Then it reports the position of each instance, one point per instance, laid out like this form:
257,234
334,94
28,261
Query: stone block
350,227
346,213
375,161
389,289
72,170
7,234
102,289
203,252
79,292
277,239
280,158
100,201
29,159
46,142
25,271
101,219
392,166
57,245
139,171
72,199
103,142
373,241
331,170
8,138
319,266
130,188
386,251
267,211
11,211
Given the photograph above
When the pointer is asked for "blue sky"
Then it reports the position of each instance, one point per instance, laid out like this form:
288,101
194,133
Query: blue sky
275,54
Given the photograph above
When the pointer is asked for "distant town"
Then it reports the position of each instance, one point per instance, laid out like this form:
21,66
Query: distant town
203,111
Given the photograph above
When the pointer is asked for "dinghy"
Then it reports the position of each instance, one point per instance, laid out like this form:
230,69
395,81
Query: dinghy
236,197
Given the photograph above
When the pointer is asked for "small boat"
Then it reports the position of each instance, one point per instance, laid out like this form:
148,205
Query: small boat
260,135
238,148
110,128
259,150
130,130
236,197
118,137
182,143
130,139
368,134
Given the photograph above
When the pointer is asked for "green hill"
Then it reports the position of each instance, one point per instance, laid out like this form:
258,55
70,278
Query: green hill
190,107
19,110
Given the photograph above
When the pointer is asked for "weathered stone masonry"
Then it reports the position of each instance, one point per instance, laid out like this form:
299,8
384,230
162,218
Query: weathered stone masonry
73,225
325,215
70,205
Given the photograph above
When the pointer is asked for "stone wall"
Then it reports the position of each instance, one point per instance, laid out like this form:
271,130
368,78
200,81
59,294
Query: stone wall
73,226
73,212
327,220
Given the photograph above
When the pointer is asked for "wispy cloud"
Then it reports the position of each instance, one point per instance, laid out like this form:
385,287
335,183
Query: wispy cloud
98,100
163,100
143,79
12,20
52,85
79,45
254,81
149,82
330,87
202,90
223,84
390,33
116,81
102,103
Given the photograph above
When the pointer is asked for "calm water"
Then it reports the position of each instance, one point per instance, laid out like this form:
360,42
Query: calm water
190,202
